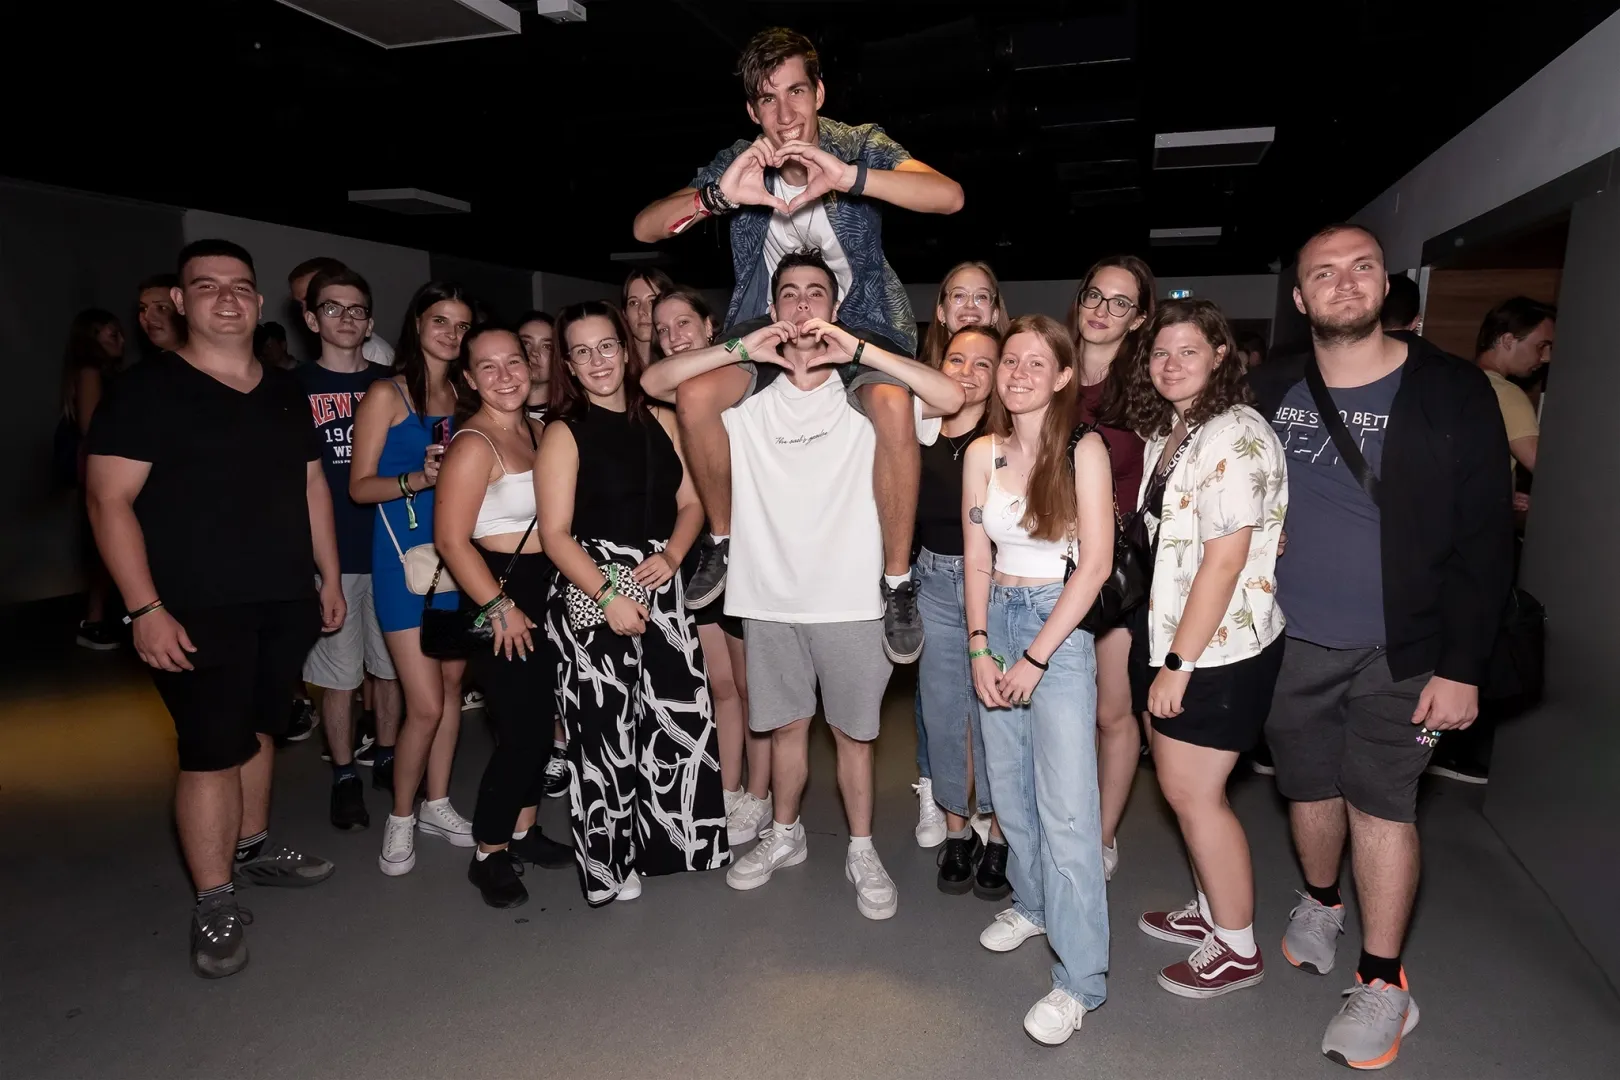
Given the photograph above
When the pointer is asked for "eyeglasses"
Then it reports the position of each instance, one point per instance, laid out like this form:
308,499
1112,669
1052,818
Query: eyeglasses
1118,306
608,348
963,298
334,310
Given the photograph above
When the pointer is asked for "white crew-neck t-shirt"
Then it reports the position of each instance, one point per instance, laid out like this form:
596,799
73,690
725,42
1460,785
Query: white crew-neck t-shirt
807,227
805,542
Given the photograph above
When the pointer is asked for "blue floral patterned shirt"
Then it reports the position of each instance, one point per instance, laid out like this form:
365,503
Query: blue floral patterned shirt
876,301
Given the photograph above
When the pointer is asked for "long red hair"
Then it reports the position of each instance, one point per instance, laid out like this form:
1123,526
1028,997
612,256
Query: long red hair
1049,506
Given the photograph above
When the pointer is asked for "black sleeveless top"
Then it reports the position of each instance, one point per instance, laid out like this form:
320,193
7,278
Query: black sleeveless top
628,475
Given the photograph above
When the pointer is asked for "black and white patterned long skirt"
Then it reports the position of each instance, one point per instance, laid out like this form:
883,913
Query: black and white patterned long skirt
643,752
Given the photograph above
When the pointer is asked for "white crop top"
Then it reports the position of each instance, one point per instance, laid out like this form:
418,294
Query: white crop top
508,504
1017,554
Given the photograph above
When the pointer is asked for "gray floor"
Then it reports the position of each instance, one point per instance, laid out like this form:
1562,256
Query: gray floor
368,976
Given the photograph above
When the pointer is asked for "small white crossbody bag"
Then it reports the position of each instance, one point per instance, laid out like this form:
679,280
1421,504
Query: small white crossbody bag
421,563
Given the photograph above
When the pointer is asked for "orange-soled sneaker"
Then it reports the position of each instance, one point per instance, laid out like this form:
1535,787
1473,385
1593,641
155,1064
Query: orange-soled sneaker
1369,1027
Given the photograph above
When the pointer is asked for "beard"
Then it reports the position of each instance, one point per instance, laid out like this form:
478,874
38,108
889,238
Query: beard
1345,331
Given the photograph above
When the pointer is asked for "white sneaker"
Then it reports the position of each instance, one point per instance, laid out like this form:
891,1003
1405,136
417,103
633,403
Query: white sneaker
980,823
631,887
1008,930
775,850
399,846
439,818
732,798
1110,860
747,818
875,894
1051,1020
930,818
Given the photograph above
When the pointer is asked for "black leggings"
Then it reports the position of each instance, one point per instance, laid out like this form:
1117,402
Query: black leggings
520,699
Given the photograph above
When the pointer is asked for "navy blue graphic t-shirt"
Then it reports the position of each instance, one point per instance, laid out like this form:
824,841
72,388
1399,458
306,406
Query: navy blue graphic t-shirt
333,398
1330,580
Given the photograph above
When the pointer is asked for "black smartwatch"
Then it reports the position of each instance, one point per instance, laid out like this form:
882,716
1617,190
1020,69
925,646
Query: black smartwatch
1172,662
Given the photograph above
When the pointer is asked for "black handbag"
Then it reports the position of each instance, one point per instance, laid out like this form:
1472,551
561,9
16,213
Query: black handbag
453,633
1125,588
1517,658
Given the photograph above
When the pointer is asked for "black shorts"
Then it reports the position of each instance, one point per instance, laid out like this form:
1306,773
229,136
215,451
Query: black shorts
1225,708
248,661
714,614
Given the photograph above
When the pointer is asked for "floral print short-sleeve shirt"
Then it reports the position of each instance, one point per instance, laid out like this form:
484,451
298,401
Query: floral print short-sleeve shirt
1232,475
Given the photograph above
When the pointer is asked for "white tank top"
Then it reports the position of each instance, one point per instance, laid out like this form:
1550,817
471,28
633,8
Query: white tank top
508,504
1017,553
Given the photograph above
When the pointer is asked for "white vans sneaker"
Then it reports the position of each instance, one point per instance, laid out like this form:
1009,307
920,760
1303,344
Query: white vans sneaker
875,894
1051,1020
631,887
439,818
776,849
399,846
746,818
930,818
1007,931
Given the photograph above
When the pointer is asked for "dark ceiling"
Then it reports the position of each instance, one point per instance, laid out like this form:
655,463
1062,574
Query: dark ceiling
1045,112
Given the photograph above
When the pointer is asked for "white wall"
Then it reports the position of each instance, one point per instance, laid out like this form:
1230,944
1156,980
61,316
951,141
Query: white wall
1566,115
395,273
1241,296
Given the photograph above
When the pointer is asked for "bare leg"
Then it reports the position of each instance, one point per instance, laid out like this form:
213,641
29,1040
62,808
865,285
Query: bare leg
757,748
1319,831
790,768
526,818
443,754
337,720
256,773
1193,779
1119,740
208,811
897,470
730,723
385,705
698,405
422,682
855,782
1384,857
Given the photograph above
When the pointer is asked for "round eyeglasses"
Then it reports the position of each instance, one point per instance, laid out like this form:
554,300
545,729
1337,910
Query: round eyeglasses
1118,306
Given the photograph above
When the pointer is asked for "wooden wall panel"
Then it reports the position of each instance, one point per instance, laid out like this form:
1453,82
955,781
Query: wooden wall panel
1458,300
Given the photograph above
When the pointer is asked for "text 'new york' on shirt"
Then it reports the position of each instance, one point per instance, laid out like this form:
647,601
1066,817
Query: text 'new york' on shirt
1330,581
334,396
806,545
224,509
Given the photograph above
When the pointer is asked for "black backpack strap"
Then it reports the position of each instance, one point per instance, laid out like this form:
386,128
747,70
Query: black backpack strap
1349,453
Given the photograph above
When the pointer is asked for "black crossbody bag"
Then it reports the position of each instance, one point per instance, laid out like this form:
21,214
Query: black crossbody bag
1517,660
1126,585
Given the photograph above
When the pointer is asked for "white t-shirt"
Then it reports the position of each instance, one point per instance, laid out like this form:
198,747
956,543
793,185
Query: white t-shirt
808,227
378,351
806,545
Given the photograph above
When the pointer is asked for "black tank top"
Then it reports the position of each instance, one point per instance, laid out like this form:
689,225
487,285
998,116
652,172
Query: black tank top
628,475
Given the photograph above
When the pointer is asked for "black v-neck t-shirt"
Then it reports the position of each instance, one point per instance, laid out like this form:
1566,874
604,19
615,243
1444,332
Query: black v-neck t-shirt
224,510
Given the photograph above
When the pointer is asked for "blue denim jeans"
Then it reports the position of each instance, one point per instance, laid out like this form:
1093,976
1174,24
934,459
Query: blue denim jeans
947,709
1042,761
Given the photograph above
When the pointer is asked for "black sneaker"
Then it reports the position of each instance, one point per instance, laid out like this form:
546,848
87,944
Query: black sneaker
957,860
1467,772
349,804
556,775
366,753
99,637
902,623
538,848
498,878
1260,760
708,581
990,883
282,867
472,700
218,944
382,774
303,723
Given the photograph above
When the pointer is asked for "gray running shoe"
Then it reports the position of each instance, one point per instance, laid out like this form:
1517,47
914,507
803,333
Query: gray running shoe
1367,1032
283,867
1313,935
708,581
218,945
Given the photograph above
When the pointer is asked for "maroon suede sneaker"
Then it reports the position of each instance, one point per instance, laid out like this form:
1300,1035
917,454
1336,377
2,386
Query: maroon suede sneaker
1181,926
1212,970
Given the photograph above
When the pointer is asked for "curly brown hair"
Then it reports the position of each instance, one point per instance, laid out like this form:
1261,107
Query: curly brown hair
1147,412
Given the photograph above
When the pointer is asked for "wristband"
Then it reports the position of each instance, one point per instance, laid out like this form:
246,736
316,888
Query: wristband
976,653
699,212
1036,662
138,612
490,609
607,584
735,345
859,186
978,633
860,348
612,595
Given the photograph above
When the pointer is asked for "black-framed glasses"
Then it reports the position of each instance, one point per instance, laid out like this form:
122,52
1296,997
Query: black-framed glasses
334,310
1118,306
607,348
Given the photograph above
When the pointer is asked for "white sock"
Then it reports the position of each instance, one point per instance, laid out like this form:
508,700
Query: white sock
1203,908
520,835
719,538
396,817
480,854
860,843
792,832
1239,941
894,581
559,744
735,793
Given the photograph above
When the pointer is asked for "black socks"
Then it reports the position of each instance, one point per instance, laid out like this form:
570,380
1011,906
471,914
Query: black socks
1373,967
1328,897
341,773
382,755
249,847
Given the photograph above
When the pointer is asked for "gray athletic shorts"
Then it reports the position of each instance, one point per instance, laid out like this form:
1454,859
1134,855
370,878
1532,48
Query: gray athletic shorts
340,660
1340,726
787,660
